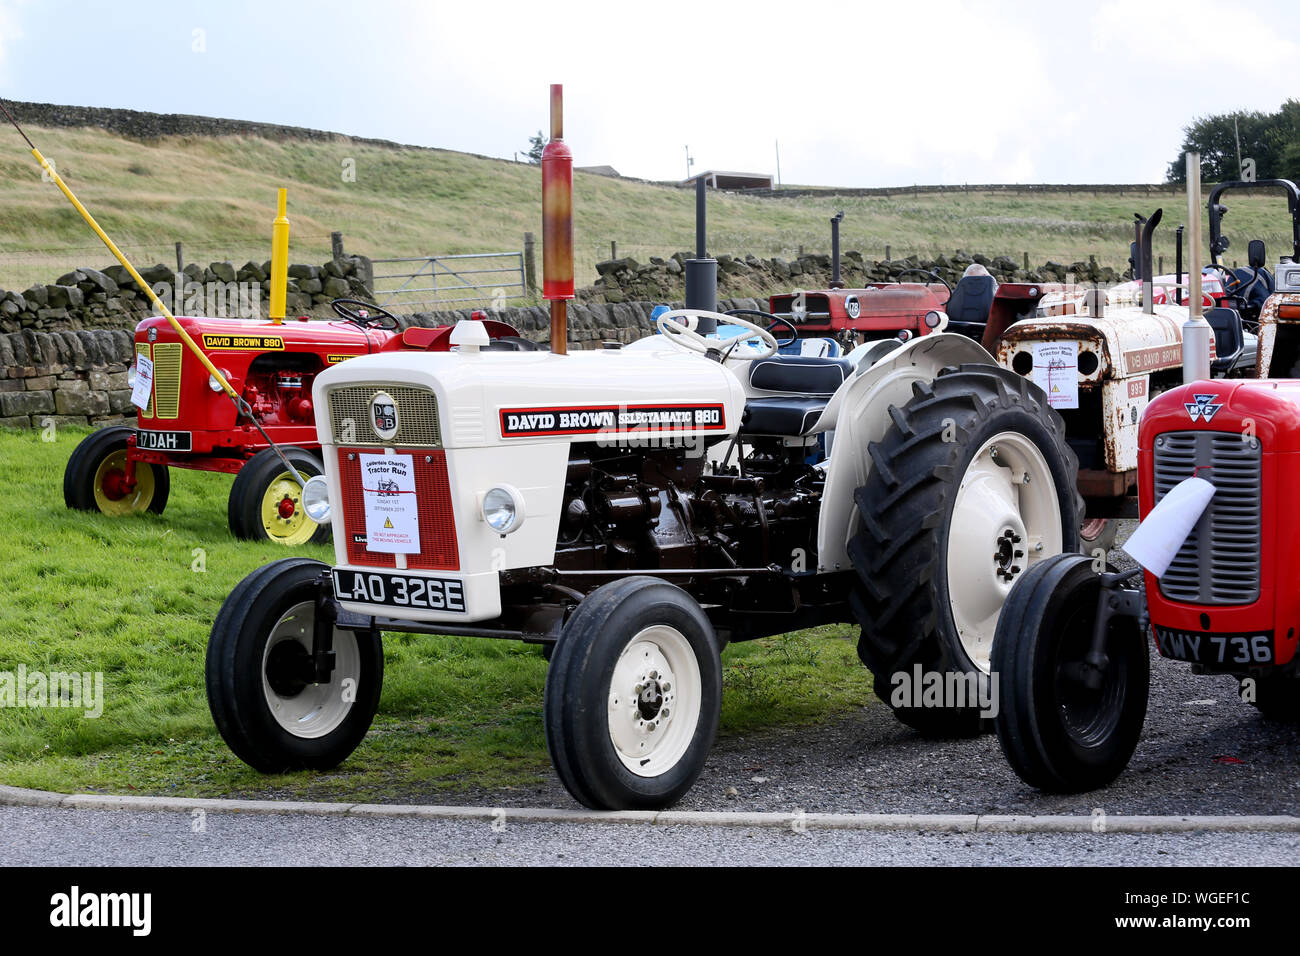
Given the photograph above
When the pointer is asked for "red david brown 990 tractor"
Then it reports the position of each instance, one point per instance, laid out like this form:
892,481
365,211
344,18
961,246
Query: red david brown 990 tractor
184,420
595,504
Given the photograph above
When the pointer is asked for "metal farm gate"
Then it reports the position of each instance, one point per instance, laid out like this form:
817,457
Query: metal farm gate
487,277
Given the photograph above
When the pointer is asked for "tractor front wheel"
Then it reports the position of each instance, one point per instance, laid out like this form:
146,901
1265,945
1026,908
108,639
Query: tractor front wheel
633,696
259,684
1063,727
95,478
266,502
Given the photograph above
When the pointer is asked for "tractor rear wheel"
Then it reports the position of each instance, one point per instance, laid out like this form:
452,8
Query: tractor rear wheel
258,689
971,485
266,503
1058,733
633,696
95,477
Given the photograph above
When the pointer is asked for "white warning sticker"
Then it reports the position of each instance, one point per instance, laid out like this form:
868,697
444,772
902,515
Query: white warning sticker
142,391
1056,372
392,512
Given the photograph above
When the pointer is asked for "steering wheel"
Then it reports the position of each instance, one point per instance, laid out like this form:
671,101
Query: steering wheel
367,314
773,320
685,337
930,275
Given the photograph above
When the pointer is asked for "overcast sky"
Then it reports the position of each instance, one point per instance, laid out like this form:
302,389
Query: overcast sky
856,93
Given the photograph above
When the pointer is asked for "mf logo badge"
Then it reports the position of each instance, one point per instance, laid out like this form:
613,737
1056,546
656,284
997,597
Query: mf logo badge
853,307
383,415
1203,407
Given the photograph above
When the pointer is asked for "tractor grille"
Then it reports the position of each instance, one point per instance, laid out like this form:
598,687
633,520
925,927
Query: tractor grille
1219,561
417,416
142,348
438,550
167,379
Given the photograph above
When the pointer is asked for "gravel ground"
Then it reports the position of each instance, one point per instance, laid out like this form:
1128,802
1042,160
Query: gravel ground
41,837
1202,751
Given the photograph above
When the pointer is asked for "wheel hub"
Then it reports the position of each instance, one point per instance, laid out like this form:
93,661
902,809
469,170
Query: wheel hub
645,726
115,488
649,695
1008,559
285,508
285,665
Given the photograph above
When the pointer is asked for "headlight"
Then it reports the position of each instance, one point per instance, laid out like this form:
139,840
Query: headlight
503,508
130,375
932,319
214,384
316,499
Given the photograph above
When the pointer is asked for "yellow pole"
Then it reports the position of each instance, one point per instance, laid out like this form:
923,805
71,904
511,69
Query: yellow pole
279,259
144,286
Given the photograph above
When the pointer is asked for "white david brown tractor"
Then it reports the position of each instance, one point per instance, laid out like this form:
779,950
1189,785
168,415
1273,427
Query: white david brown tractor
587,503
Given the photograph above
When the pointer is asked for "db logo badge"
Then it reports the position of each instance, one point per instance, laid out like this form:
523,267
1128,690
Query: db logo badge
853,307
383,415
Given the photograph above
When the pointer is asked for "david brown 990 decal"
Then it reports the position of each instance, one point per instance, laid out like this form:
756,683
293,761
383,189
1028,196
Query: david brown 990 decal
261,343
597,419
400,590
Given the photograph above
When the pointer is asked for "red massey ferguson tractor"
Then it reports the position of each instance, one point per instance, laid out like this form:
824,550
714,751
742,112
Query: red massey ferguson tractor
188,422
1070,648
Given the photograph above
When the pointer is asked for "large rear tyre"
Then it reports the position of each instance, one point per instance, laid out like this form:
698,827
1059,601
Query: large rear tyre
971,486
267,713
265,501
633,696
1059,734
95,477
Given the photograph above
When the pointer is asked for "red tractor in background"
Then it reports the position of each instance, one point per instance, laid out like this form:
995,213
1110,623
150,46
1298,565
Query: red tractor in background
977,307
188,422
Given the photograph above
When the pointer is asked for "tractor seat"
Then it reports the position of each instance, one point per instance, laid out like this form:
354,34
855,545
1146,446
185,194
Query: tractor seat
812,380
970,303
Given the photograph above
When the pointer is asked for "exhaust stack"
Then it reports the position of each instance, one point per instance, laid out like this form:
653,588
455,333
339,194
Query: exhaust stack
1144,254
835,250
557,225
702,272
1196,331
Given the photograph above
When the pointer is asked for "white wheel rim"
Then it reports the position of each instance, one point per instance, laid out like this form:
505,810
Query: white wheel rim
1005,518
318,709
654,701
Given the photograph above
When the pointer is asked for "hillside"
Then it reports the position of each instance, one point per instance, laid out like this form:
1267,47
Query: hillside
216,195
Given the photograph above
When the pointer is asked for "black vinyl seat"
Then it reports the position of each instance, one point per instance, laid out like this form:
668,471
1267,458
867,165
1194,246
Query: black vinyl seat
970,303
812,379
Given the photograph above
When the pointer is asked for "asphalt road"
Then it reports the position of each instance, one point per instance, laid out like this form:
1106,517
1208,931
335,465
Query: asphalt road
45,837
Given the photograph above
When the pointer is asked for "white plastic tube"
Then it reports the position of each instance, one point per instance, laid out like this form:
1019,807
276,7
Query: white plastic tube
1158,538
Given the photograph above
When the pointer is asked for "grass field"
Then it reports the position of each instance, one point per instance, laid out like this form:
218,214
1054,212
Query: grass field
217,196
134,599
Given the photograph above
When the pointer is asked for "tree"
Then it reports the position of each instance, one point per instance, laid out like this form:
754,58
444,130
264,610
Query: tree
1272,140
535,146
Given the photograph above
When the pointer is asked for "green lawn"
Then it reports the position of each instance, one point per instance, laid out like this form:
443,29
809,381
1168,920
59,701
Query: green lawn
134,598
